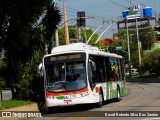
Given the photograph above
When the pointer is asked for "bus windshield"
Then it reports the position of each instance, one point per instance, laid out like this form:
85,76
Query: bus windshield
65,76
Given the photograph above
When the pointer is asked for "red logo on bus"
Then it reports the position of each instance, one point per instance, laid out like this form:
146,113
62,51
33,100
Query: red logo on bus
67,101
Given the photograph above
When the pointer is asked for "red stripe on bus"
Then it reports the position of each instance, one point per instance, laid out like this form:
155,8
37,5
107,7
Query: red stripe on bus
97,89
123,83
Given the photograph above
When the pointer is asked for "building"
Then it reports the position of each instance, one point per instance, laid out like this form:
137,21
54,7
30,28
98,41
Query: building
109,41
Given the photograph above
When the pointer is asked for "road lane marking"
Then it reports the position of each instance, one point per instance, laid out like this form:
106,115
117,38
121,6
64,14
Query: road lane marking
121,103
151,119
135,98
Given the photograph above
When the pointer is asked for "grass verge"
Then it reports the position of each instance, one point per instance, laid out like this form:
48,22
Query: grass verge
13,104
146,75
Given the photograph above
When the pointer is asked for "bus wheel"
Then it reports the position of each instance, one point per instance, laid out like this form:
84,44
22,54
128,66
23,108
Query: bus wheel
100,103
42,107
118,94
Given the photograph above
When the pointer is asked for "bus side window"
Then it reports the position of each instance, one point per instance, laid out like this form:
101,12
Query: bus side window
107,69
90,74
93,70
122,69
114,68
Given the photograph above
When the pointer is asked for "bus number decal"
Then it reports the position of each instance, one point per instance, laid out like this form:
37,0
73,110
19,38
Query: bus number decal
70,96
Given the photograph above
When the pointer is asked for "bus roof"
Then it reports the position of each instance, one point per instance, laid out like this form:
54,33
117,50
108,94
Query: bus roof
81,47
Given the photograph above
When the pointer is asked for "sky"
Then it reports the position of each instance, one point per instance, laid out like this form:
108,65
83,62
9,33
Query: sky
103,10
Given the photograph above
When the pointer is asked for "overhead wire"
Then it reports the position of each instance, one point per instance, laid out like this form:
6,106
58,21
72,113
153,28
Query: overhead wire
117,4
69,9
130,2
99,18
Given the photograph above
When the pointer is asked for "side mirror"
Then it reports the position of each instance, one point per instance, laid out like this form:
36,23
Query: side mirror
40,70
93,66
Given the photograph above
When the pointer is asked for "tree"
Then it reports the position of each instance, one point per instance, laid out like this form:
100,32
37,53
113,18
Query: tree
158,20
51,19
17,37
89,32
146,36
73,35
150,62
2,77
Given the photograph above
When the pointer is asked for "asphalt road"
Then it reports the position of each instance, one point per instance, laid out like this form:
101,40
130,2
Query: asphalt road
142,99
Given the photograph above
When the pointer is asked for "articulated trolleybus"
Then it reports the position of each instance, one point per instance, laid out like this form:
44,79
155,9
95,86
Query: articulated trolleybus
82,74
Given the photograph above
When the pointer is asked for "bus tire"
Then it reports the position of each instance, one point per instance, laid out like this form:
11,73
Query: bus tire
100,103
42,107
118,94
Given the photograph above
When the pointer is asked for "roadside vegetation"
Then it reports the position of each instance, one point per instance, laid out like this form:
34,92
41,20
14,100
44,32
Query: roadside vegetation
13,104
146,75
25,37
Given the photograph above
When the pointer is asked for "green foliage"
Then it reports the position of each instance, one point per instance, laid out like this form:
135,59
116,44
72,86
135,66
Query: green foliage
51,19
13,103
89,32
122,35
73,35
24,41
157,30
158,21
151,61
3,67
147,36
28,73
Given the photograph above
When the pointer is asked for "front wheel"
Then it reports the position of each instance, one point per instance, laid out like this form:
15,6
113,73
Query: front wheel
100,103
42,106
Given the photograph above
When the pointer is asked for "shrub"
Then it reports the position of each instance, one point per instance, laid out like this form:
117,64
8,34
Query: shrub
151,61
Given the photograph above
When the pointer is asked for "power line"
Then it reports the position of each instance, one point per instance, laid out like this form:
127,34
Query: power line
117,4
130,2
95,17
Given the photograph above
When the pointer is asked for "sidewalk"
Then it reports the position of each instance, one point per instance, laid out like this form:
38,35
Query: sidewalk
27,108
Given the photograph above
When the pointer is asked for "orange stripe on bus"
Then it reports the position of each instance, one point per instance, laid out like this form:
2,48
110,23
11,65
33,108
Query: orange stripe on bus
67,93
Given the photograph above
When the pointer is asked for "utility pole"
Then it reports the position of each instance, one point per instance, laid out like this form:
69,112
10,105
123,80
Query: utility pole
129,56
79,34
65,24
139,49
56,36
